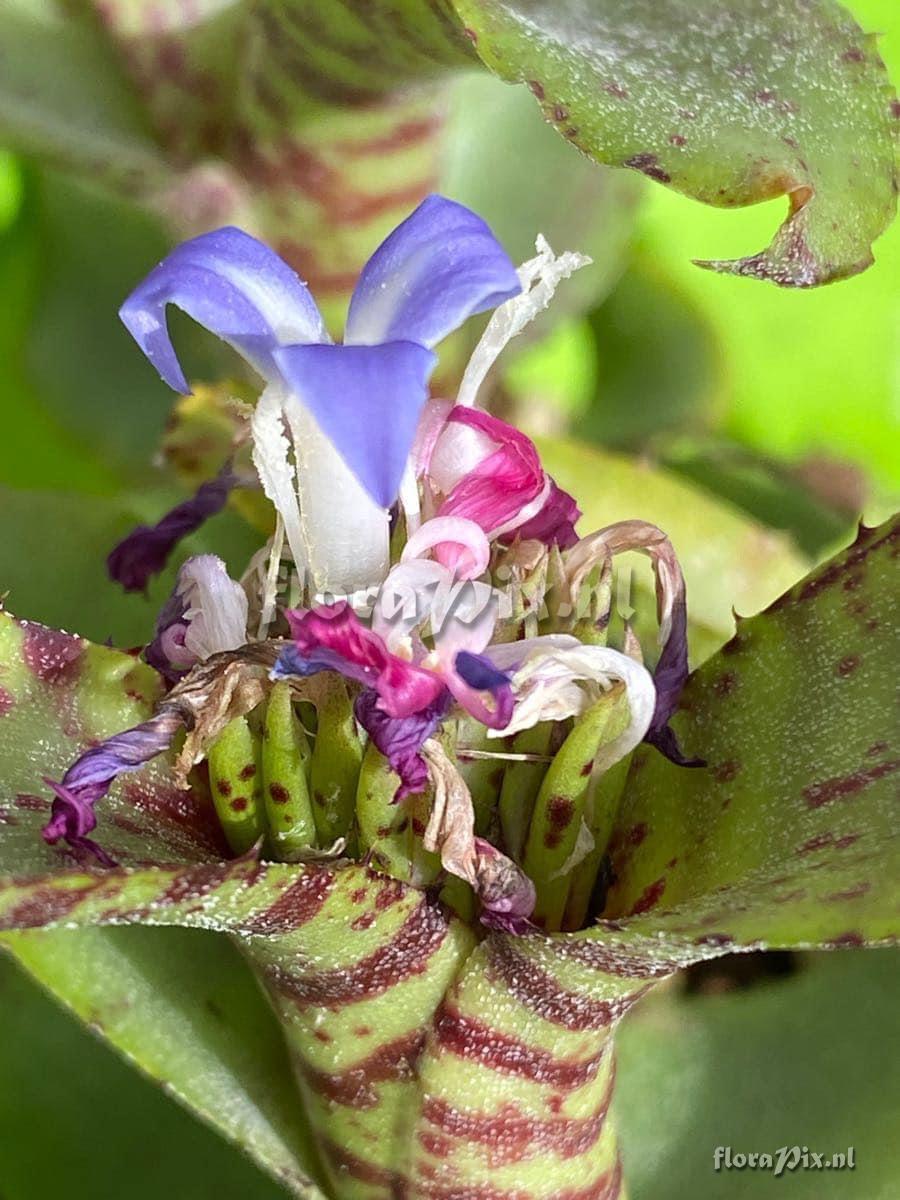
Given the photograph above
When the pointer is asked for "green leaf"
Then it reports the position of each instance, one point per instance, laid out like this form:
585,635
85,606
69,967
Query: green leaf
657,361
58,695
729,562
183,1008
63,96
665,90
524,180
799,1062
788,836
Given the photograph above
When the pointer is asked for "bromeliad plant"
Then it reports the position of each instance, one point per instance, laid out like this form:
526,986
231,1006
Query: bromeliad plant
451,829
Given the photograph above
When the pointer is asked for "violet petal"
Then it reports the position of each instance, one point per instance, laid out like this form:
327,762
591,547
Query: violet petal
401,738
479,673
367,401
235,287
91,776
440,266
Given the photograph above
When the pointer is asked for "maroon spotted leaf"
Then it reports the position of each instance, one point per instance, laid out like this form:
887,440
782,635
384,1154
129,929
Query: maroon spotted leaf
732,103
789,835
60,694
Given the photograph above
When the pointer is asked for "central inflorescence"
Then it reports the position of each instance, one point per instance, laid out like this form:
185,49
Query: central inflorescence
413,670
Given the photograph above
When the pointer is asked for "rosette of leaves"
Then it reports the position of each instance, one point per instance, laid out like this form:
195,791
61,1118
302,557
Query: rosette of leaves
433,1059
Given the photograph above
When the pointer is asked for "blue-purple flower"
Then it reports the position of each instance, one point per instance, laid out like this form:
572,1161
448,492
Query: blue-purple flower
334,428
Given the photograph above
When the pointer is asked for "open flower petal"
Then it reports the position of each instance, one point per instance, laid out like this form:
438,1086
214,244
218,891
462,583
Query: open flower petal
235,287
441,265
366,400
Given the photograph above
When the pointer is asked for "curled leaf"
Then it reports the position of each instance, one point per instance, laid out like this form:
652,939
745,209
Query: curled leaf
663,86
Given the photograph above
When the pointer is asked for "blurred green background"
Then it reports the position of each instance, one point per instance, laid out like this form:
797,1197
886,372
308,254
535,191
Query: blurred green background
783,404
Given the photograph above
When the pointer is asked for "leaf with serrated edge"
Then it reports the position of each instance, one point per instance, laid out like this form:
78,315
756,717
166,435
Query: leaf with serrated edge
789,835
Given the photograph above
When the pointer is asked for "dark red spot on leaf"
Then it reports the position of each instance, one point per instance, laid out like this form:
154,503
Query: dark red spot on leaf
53,656
648,164
725,684
853,893
816,843
279,793
829,790
848,664
248,771
649,897
559,816
726,771
849,939
637,833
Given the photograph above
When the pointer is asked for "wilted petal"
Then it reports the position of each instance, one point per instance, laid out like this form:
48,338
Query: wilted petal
507,894
90,777
672,666
216,612
400,739
555,523
440,266
146,550
332,638
206,614
235,287
539,278
366,400
557,677
456,535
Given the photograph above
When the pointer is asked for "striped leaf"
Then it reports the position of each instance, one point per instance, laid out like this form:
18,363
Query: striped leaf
425,1069
183,1007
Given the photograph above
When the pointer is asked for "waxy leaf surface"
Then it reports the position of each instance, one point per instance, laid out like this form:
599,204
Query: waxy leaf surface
789,835
731,103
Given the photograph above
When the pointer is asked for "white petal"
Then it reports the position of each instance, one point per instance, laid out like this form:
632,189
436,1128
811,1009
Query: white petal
271,457
216,612
540,277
